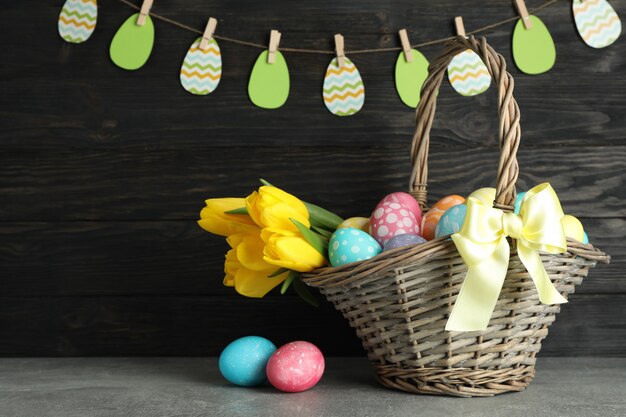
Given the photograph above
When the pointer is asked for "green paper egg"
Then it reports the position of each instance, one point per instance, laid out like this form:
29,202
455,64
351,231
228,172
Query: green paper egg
268,87
132,44
533,49
410,76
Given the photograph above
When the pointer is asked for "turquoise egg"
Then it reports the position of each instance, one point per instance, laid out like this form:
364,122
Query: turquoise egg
451,221
518,201
243,361
585,238
351,245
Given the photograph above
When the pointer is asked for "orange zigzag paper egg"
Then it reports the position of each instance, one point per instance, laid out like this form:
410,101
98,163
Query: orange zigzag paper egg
431,218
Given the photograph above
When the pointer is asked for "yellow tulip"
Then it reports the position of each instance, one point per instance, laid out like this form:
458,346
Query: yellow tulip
273,207
246,269
213,218
290,250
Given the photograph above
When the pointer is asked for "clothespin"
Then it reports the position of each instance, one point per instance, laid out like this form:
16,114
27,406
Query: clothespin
341,55
460,28
520,5
144,12
273,47
208,34
406,45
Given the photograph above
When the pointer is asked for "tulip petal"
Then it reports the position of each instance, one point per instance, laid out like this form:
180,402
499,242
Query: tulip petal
256,283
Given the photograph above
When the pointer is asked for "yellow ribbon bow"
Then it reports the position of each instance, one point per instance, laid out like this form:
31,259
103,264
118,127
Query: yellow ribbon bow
483,246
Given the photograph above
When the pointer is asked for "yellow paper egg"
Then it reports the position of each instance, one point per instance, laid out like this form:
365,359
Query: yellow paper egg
361,223
485,195
573,227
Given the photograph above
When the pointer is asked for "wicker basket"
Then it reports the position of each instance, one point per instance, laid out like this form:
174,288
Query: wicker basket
400,300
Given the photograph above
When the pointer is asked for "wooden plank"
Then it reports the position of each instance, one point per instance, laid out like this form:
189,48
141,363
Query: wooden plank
84,101
202,326
135,185
174,257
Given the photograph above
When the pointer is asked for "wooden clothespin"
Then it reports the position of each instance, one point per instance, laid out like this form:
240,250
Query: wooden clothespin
341,55
520,5
144,12
406,45
208,34
460,28
273,47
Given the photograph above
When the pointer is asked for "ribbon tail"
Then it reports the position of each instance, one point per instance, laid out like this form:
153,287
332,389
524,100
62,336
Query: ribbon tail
480,291
548,294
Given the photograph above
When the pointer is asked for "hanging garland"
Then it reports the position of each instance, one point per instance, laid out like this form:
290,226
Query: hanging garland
343,91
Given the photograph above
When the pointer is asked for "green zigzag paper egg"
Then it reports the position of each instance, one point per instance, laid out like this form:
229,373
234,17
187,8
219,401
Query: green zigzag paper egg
597,22
410,77
268,87
343,90
468,74
77,20
202,69
533,49
132,44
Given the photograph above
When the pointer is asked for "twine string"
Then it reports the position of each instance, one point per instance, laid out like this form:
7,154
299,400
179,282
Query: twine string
331,52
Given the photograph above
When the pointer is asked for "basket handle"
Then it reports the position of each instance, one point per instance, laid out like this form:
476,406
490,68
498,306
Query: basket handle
508,111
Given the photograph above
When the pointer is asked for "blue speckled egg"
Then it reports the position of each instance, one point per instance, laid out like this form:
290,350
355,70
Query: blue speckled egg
585,238
403,240
518,201
351,245
243,361
451,221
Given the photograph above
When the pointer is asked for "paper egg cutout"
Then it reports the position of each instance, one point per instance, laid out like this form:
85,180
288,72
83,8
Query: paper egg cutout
361,223
468,74
132,44
77,20
391,219
343,90
406,200
573,228
518,201
202,69
403,240
295,367
351,245
597,22
432,217
268,87
485,195
410,77
243,361
451,221
533,49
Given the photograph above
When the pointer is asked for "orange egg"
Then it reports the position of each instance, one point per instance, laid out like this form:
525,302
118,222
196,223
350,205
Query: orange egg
431,218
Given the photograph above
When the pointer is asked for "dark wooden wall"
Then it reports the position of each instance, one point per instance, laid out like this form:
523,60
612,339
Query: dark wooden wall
103,172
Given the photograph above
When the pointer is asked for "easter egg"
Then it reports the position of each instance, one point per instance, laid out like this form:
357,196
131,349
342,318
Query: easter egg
486,195
392,219
268,87
585,238
573,227
518,201
407,201
451,221
403,240
295,367
361,223
533,48
351,245
132,44
243,361
431,218
77,20
343,90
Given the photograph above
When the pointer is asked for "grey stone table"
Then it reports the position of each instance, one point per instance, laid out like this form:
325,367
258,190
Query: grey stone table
190,387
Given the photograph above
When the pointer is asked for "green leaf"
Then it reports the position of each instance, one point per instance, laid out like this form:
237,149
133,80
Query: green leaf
240,210
312,238
292,275
303,291
278,272
327,234
265,182
323,218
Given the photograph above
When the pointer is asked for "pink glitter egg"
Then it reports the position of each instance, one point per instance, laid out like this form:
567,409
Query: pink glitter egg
295,367
407,201
392,219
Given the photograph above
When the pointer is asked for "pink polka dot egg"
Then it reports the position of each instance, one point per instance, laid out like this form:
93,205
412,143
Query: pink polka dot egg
391,219
295,367
407,201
